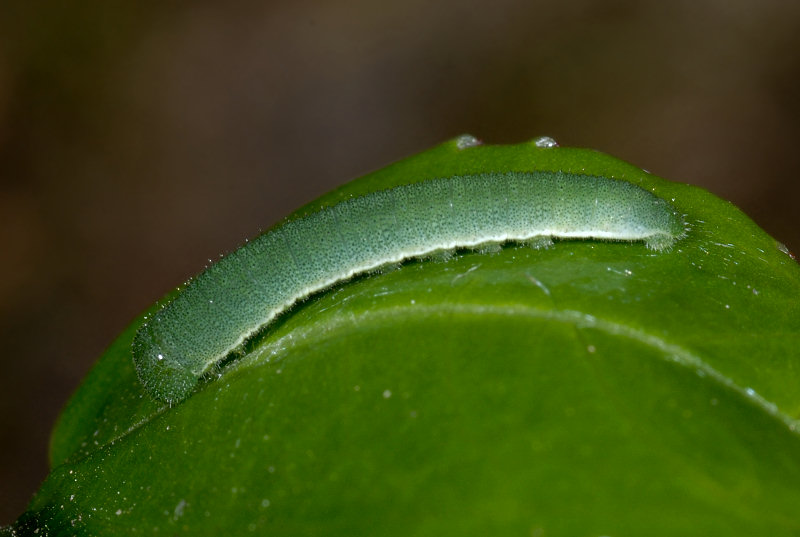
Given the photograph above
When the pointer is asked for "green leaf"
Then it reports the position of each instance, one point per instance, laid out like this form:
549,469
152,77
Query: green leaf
588,389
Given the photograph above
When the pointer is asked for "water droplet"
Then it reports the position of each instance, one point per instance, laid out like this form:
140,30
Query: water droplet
545,142
178,512
783,248
467,140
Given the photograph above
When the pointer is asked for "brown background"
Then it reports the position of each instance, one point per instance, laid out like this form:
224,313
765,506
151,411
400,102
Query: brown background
139,139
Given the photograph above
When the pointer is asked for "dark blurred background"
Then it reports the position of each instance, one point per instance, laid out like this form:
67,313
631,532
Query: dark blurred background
139,139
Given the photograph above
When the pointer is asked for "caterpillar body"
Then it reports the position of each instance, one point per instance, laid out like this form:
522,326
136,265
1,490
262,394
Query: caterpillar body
235,298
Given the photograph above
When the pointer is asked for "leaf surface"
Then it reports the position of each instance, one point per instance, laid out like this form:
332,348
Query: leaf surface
593,388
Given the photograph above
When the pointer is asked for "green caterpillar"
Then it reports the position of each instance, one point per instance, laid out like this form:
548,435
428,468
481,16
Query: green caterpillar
235,298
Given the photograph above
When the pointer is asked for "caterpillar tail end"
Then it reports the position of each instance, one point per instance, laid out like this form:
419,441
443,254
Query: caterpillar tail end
163,379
